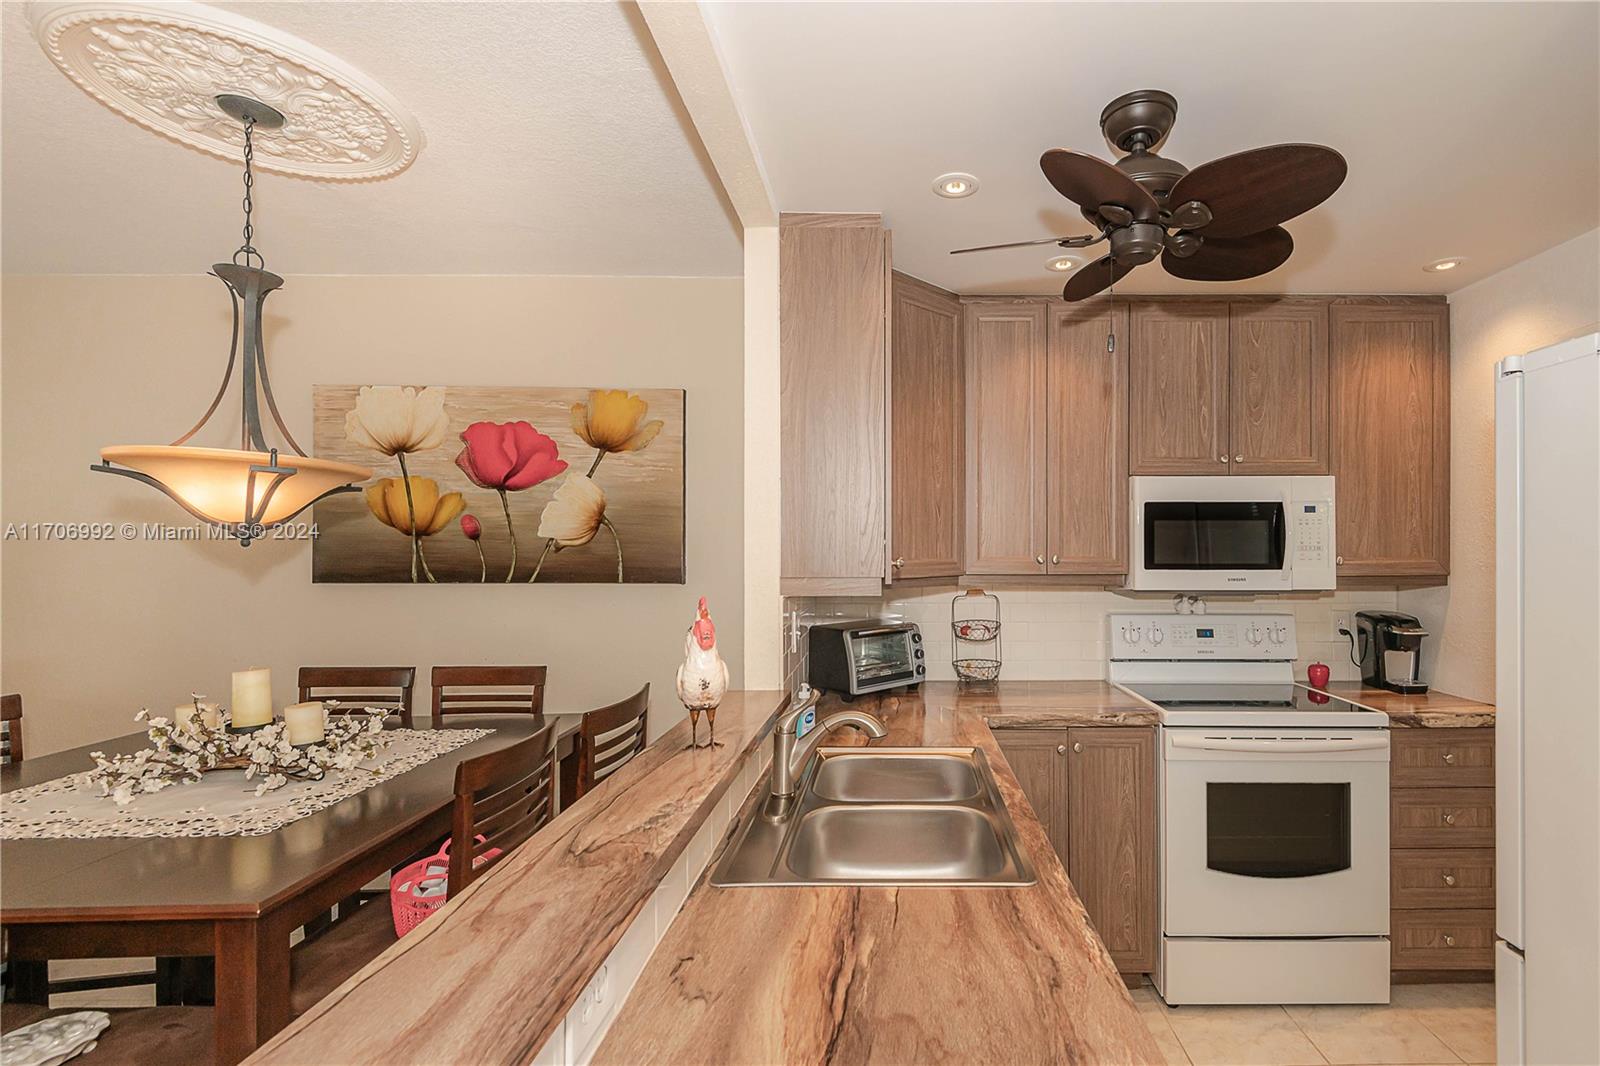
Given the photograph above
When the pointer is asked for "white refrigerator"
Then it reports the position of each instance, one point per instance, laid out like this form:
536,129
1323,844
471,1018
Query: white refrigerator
1547,735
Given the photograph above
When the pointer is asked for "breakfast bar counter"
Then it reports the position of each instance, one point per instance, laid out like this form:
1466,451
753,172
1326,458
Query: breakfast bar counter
893,975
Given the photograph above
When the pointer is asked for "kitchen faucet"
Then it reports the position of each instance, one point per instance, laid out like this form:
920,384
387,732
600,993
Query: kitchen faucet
790,752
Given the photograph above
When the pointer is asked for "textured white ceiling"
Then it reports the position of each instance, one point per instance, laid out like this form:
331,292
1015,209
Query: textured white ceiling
554,145
1470,129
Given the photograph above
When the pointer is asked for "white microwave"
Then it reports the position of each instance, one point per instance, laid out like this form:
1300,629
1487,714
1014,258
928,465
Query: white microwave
1235,534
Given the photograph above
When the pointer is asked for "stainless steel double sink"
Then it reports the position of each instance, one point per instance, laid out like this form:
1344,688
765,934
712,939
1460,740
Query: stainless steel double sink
882,816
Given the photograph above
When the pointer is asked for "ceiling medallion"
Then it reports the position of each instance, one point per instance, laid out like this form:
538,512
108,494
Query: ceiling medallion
163,65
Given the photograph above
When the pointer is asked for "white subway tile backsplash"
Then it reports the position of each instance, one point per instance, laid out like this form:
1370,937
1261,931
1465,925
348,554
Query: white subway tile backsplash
1061,634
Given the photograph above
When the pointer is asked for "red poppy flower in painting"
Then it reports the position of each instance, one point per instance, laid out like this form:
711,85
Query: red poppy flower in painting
508,456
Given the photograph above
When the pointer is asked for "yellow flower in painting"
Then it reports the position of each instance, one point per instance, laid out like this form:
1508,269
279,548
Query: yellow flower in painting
397,421
574,515
386,498
612,420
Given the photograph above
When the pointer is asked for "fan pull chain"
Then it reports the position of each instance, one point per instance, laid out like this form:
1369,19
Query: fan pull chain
1111,313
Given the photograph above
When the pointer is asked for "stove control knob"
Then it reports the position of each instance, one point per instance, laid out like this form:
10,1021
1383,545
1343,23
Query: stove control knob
1253,633
1278,633
1156,635
1135,634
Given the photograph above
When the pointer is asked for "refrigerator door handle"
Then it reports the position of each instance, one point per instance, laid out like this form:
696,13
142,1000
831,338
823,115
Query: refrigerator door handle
1508,444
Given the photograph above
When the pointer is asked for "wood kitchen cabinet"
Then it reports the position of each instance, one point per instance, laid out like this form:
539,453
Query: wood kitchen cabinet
1390,373
926,429
1094,790
1047,431
833,297
1179,398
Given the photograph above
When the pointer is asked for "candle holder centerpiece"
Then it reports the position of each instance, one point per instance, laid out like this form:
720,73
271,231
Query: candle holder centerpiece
204,740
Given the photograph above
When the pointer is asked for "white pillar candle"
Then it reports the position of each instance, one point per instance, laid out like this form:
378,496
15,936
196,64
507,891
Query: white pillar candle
305,722
184,716
252,697
210,716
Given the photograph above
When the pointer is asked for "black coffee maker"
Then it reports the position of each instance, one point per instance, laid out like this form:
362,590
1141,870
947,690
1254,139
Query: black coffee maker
1391,650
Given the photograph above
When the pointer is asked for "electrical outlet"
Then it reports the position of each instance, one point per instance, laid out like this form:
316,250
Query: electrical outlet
1342,623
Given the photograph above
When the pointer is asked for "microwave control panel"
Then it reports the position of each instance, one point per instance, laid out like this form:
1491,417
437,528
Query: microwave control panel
1203,636
1314,563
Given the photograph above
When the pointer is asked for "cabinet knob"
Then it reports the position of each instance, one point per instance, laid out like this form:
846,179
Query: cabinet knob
1449,941
1450,818
1039,559
1450,757
1077,746
1222,458
1055,560
1238,458
1339,559
1450,879
1061,749
898,563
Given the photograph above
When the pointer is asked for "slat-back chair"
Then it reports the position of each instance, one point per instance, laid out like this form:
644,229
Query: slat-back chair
487,690
504,797
10,729
610,737
358,687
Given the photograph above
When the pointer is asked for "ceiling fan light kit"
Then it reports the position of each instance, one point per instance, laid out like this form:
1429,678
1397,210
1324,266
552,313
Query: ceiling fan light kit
1218,222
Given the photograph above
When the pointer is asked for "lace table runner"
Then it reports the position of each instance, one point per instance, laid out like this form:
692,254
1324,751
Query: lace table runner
222,803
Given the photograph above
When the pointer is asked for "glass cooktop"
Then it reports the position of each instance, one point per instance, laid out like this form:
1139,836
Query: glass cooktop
1250,704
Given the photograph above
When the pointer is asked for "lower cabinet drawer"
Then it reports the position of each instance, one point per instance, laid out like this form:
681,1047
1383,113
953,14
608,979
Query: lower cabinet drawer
1442,940
1441,877
1441,818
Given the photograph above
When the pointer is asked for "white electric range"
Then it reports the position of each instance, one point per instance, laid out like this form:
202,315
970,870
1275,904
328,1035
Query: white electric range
1274,815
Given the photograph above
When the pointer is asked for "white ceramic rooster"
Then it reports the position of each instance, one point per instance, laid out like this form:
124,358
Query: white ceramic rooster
703,677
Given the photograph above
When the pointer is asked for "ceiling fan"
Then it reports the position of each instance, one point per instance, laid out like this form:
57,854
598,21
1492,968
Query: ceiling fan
1218,222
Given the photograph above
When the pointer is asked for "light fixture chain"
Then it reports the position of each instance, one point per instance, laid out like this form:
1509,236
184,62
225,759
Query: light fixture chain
247,249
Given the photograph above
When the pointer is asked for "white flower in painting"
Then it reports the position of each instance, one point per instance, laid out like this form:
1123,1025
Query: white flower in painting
397,420
573,515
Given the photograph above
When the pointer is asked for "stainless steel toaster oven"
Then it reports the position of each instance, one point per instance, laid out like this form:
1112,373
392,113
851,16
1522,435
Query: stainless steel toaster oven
854,658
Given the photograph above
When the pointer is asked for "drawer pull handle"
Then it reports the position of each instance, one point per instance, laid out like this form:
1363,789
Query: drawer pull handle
1450,879
1449,941
1450,757
1450,818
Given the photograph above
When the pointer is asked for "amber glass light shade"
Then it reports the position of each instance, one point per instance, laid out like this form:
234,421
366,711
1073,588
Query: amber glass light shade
215,483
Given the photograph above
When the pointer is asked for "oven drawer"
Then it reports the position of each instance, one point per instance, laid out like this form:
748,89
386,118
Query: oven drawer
1442,818
1442,758
1442,940
1441,877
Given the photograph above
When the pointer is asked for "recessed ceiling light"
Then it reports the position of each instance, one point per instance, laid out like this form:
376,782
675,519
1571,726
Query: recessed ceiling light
1439,265
955,186
1062,263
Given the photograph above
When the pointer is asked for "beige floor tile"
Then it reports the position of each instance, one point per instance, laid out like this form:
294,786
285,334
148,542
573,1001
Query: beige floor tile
1154,1014
1461,1016
1242,1036
1376,1034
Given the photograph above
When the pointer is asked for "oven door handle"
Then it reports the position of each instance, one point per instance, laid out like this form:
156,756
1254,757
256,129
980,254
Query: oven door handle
1281,747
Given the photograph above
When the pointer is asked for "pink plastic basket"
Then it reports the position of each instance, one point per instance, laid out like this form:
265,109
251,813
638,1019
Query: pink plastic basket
420,888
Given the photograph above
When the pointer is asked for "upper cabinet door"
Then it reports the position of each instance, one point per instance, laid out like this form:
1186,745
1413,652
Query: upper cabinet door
1390,370
832,306
1086,433
1278,395
926,426
1004,353
1179,380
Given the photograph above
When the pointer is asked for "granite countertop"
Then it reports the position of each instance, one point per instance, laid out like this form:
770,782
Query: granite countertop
895,975
1426,710
489,977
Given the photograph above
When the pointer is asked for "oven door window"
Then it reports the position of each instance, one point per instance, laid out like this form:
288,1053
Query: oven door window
881,657
1213,536
1261,829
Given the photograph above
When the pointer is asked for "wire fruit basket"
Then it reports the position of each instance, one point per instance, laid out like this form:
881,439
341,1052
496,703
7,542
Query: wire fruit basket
975,625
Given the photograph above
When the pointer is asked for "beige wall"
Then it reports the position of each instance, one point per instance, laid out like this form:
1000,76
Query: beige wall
1553,296
93,631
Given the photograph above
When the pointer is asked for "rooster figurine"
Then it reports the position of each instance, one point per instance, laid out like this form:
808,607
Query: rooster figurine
703,677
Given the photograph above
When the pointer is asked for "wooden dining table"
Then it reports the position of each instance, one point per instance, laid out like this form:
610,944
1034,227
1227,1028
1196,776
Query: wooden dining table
234,899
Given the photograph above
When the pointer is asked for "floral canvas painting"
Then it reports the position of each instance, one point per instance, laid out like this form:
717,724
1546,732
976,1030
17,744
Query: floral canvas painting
484,484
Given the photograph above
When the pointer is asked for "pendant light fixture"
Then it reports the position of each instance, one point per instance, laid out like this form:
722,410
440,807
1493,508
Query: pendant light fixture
256,488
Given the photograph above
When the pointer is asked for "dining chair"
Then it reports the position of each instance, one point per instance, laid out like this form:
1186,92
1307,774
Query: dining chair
502,799
358,687
10,729
610,737
487,690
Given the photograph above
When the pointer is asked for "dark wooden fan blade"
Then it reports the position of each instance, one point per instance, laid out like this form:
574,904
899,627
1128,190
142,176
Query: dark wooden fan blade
1232,258
1090,182
1259,189
1094,277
